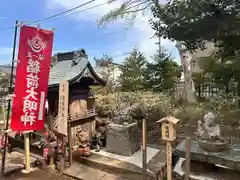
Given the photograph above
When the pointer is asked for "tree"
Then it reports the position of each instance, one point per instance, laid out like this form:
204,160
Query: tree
194,22
128,10
216,73
162,73
107,74
132,77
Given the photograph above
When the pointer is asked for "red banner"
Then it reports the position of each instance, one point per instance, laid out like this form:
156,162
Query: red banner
31,84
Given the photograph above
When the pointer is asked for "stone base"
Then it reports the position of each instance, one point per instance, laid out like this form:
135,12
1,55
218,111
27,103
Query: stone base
229,158
203,171
26,171
123,139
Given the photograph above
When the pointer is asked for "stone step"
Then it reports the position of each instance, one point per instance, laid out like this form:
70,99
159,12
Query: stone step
110,165
83,172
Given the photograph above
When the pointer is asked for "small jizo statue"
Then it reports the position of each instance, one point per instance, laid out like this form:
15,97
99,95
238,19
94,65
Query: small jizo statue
208,129
50,143
83,143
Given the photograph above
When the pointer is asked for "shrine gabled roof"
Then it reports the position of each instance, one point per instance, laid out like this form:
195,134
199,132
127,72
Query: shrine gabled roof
72,71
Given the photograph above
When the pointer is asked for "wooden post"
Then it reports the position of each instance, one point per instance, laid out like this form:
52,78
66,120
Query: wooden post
187,160
169,160
62,122
144,149
169,135
70,144
27,153
61,168
63,107
61,156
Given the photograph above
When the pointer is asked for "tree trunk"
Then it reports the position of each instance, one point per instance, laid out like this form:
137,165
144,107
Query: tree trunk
238,91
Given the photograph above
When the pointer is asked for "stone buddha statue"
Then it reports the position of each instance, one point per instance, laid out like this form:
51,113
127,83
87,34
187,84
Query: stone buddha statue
208,129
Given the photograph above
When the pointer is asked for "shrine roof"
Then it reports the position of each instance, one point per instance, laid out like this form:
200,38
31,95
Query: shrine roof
71,68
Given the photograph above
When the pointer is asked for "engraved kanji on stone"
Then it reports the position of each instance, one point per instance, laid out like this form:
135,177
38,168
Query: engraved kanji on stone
29,105
28,118
32,81
33,67
31,94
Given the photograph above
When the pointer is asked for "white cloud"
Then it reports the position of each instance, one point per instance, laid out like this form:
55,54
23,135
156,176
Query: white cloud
141,29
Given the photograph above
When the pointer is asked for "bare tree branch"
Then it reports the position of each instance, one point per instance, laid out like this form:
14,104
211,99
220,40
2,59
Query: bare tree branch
137,10
128,11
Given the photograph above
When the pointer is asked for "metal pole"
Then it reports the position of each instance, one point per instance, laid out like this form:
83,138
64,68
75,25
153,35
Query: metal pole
144,149
9,100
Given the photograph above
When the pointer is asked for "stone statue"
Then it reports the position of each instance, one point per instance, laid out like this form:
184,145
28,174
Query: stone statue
208,129
83,143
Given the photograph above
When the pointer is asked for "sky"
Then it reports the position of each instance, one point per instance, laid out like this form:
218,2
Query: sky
80,30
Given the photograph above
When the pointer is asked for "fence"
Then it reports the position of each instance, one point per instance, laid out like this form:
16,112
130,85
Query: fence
204,91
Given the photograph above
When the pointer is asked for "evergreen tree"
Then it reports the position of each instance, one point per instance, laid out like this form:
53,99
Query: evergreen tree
132,77
162,73
194,22
107,74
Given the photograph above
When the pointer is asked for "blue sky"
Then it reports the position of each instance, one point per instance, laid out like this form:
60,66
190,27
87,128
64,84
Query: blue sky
80,30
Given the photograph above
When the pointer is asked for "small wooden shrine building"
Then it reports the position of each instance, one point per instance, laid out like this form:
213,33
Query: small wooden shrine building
75,68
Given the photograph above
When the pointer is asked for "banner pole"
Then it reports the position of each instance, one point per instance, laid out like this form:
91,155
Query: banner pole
27,153
9,100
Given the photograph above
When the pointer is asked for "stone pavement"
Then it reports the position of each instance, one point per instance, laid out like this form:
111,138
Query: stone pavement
38,174
49,174
82,172
129,167
15,162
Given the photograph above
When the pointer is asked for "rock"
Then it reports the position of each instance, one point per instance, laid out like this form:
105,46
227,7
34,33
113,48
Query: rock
126,137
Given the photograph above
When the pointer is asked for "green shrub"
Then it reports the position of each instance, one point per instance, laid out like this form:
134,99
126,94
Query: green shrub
154,106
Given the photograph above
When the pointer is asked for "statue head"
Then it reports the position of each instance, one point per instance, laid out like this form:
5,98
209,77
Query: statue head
209,119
